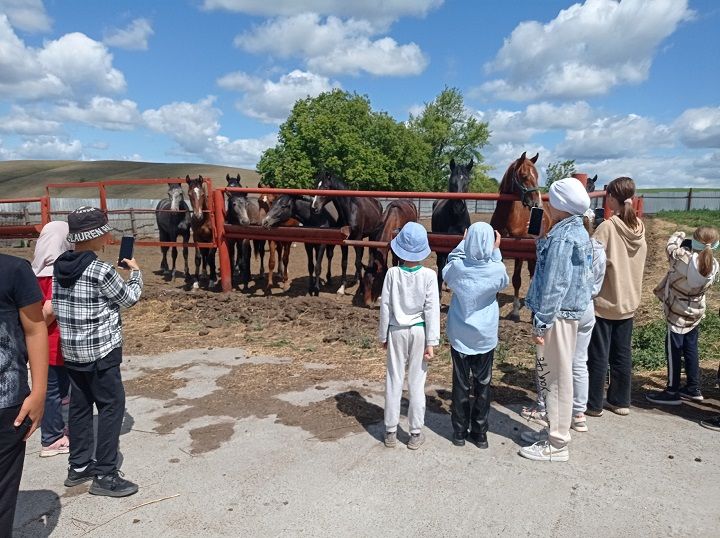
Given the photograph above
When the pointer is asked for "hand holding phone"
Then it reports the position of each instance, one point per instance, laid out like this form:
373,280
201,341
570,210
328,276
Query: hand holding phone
687,243
536,217
127,245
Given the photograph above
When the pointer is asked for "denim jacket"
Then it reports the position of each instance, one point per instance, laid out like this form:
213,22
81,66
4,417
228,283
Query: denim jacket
563,280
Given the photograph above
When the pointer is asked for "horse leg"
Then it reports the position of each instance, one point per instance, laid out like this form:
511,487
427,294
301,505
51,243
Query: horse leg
310,251
205,257
285,263
516,282
260,249
271,266
359,252
211,262
174,262
343,281
441,261
185,256
198,260
318,269
164,262
329,252
245,272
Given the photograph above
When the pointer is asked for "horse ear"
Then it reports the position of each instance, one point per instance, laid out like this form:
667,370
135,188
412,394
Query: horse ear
594,179
470,164
227,177
452,164
534,159
200,178
187,179
522,157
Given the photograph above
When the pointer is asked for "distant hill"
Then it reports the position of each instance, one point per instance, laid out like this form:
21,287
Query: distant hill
20,179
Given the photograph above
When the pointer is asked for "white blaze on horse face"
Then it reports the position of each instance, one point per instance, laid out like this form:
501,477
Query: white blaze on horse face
197,207
316,197
175,199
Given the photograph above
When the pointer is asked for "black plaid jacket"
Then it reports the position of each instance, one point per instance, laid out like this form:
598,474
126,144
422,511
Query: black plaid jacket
88,312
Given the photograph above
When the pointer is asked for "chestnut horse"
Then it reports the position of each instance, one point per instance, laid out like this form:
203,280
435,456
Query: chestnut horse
511,218
396,215
362,215
201,224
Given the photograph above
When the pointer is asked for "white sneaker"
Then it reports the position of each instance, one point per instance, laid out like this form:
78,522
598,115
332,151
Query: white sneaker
530,436
544,451
579,423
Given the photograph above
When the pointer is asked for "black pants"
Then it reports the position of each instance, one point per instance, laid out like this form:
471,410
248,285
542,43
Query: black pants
12,456
104,388
678,346
471,371
610,345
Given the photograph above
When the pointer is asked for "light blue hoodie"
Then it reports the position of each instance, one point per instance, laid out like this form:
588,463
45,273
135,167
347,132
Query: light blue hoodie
475,273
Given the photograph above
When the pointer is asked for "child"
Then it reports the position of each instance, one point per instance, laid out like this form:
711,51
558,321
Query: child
87,297
409,328
623,236
682,292
559,294
475,273
51,244
24,339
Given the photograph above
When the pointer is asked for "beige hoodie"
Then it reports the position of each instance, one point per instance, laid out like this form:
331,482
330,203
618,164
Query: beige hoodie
626,249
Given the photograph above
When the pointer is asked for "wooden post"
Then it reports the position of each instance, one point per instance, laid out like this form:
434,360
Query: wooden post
26,215
223,253
688,207
133,228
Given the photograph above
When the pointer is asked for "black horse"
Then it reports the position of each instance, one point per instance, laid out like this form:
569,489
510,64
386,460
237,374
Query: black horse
234,200
173,219
452,216
300,208
364,217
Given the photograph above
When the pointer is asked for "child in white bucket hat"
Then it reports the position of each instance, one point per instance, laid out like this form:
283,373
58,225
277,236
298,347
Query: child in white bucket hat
409,328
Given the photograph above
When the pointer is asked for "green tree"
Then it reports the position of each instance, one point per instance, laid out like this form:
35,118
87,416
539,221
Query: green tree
559,170
450,132
339,131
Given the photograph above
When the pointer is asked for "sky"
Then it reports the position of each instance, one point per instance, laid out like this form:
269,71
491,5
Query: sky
627,87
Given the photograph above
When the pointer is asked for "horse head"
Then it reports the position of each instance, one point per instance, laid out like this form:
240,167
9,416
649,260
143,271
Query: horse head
325,181
233,181
282,209
521,178
371,283
459,176
175,193
590,185
197,195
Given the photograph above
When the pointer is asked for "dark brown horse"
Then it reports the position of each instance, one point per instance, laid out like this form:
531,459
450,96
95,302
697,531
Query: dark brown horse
362,215
281,248
201,224
511,217
395,216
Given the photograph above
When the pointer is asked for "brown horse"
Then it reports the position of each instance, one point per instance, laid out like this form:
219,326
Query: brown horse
201,224
511,218
396,215
281,248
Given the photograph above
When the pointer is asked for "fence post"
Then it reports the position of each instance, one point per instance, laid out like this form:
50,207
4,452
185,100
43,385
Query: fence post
45,210
26,215
223,254
133,228
689,200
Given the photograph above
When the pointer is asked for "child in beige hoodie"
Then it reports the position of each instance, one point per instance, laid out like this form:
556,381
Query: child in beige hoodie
623,236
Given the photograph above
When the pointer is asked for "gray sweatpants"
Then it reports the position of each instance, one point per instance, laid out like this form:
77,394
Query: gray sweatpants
405,346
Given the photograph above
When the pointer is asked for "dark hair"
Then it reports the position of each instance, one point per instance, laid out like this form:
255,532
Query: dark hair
623,189
706,235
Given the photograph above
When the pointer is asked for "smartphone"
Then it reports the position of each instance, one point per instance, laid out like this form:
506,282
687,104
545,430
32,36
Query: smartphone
687,243
536,217
599,214
127,244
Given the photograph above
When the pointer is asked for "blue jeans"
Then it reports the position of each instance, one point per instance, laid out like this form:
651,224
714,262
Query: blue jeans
52,427
678,347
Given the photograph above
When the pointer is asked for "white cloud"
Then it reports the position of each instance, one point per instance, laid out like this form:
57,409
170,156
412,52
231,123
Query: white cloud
134,37
28,15
191,125
334,46
586,50
72,66
20,122
699,127
271,101
368,9
243,152
620,136
103,113
49,147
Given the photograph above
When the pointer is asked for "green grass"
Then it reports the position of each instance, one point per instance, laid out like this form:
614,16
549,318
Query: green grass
694,218
649,342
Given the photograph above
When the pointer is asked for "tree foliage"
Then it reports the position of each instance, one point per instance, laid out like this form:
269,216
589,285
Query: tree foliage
559,170
450,132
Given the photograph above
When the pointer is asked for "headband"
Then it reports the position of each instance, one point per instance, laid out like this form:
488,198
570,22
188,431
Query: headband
628,201
697,245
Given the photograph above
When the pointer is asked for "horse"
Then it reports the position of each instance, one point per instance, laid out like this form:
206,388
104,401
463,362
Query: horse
451,216
201,224
282,248
173,219
511,218
244,211
362,215
396,215
234,245
300,208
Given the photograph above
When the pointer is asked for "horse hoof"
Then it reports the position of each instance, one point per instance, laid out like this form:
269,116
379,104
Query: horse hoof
196,285
341,291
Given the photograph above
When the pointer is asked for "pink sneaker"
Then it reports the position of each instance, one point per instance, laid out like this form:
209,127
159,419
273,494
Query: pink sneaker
61,446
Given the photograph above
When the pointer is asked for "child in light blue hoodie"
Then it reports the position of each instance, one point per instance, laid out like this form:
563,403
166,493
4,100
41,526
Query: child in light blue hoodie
475,273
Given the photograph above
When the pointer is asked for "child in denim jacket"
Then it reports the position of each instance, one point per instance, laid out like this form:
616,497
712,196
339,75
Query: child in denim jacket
559,294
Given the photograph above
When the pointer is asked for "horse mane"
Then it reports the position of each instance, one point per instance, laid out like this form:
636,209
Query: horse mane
506,185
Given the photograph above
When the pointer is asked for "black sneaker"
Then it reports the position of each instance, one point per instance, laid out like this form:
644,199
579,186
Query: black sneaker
693,396
458,439
113,485
711,423
479,439
663,397
75,478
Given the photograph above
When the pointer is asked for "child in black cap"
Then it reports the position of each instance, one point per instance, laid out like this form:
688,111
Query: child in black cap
87,296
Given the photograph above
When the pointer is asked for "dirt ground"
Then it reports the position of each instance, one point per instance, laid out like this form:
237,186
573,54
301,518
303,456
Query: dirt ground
327,332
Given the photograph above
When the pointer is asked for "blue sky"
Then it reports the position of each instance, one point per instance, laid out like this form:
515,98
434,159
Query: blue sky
624,88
